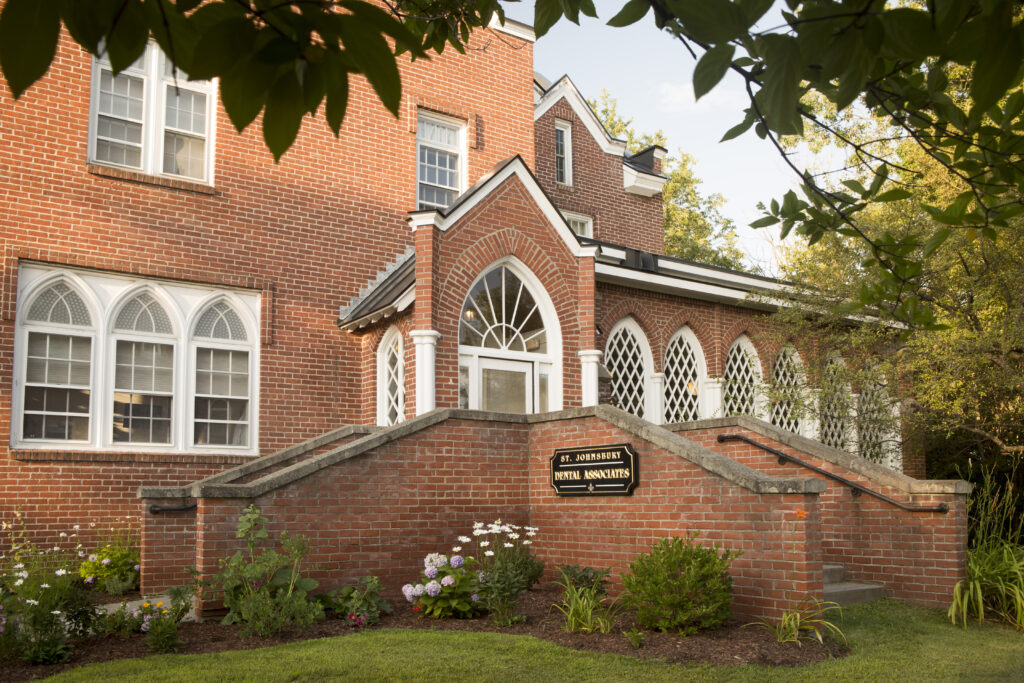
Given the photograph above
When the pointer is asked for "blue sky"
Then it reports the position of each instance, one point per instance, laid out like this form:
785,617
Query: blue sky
650,75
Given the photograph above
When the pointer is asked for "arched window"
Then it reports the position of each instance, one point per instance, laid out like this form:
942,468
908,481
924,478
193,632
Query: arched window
509,344
787,385
874,420
143,372
834,406
684,377
390,378
628,358
58,366
222,386
742,376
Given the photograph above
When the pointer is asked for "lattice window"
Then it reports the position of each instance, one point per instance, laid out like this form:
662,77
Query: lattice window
872,421
220,321
391,378
682,381
834,407
624,359
786,387
58,303
740,387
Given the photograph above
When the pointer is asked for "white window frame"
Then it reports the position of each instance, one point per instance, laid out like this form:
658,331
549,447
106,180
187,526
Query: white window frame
586,221
565,128
759,400
154,115
686,335
800,393
104,295
459,149
649,409
383,400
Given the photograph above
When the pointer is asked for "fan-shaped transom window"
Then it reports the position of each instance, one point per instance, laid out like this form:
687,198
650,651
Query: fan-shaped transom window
683,378
60,304
786,387
501,313
220,321
626,359
834,406
739,390
509,344
143,313
391,379
162,382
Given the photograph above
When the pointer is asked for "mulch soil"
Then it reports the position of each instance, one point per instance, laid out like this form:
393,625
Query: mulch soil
731,644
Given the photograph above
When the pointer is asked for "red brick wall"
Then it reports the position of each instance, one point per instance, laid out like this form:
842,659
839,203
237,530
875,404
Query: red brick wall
307,233
596,191
163,537
919,556
781,558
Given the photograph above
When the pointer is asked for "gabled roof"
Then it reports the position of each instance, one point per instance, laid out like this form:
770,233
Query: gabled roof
391,292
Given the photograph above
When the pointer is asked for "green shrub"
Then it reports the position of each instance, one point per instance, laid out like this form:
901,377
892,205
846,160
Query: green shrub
263,590
583,607
581,577
680,586
360,605
447,588
994,580
114,566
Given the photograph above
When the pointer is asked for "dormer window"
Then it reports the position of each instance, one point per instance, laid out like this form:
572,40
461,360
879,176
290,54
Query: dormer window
563,152
440,153
579,224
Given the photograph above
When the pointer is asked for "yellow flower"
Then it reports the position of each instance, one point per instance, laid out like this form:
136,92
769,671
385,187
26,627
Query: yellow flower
802,514
160,604
164,612
145,604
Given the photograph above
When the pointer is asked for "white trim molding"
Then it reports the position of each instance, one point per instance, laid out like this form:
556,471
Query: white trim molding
590,373
426,372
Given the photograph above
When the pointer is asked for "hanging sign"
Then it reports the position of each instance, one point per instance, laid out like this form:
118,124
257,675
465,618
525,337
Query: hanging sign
594,471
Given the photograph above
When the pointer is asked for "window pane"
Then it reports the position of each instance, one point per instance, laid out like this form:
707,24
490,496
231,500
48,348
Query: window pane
504,391
184,155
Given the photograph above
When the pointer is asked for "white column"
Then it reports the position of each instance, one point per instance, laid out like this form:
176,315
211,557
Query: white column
713,397
426,350
590,363
654,401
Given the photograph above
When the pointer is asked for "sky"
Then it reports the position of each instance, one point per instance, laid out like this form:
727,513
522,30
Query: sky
650,74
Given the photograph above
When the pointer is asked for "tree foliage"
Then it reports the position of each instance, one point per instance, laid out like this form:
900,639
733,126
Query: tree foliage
695,228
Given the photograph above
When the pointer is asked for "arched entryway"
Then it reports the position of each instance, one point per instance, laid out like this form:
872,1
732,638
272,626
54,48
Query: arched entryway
510,343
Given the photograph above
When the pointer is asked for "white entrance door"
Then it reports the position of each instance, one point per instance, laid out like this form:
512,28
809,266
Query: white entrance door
506,386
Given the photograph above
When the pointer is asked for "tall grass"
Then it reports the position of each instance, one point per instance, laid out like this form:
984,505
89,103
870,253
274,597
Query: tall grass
995,555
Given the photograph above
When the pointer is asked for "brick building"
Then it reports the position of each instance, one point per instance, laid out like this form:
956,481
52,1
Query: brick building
187,322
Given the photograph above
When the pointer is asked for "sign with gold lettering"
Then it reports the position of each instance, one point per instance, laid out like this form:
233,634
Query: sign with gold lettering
594,471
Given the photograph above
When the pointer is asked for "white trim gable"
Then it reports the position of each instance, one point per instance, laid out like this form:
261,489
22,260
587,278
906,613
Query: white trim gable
567,89
516,167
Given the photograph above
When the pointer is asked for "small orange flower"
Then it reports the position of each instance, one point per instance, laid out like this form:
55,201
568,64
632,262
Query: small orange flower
802,514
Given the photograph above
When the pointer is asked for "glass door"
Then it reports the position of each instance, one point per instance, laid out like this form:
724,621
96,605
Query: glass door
506,386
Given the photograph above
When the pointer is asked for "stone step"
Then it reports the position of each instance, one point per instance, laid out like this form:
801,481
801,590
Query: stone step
852,592
834,573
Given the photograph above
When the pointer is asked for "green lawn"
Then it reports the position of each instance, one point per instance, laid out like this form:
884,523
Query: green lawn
890,641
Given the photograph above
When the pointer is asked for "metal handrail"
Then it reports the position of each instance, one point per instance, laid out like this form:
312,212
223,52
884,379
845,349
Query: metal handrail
855,488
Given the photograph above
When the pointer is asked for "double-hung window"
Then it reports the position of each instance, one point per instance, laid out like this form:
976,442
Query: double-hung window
152,119
563,152
440,152
109,362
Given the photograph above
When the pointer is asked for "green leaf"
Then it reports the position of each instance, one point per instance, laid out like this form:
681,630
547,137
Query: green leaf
243,91
89,22
764,222
371,53
856,186
711,69
780,93
127,40
754,9
893,195
710,21
935,241
546,14
998,62
740,127
632,12
910,32
29,30
221,47
337,91
959,206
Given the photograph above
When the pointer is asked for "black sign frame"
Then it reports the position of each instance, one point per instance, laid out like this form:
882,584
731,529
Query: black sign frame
609,460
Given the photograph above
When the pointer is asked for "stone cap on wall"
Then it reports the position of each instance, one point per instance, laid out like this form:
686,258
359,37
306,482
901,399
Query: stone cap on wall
872,470
220,486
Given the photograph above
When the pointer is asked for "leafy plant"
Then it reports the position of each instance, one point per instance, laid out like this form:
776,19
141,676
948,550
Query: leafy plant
580,577
447,589
361,604
263,589
584,608
995,559
809,617
508,568
636,637
680,585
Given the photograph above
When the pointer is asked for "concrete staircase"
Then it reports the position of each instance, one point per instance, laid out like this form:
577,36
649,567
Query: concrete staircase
839,590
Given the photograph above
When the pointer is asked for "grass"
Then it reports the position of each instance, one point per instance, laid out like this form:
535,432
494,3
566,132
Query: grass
890,641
